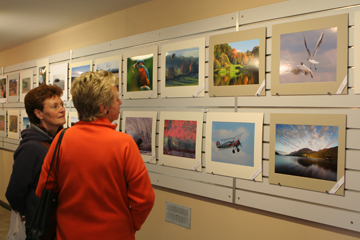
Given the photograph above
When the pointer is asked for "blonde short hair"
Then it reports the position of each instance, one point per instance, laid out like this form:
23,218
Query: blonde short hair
90,90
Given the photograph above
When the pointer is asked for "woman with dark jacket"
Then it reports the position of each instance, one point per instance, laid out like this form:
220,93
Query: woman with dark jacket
46,113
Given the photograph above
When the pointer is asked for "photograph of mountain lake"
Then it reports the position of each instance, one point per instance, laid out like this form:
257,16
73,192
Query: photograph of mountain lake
236,63
307,151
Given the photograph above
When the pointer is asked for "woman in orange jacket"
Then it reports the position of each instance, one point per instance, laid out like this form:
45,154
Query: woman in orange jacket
104,187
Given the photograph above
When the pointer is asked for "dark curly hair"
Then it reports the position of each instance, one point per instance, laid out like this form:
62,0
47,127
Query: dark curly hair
35,98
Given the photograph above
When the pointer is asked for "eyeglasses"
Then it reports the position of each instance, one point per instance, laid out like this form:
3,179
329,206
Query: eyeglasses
56,106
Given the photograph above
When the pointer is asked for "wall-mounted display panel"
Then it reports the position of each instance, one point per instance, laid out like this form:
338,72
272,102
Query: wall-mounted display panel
310,56
26,83
13,120
3,88
42,67
237,63
3,123
59,77
234,144
141,126
308,151
183,67
140,73
180,138
13,87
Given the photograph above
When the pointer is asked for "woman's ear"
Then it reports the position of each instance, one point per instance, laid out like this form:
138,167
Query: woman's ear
102,109
38,114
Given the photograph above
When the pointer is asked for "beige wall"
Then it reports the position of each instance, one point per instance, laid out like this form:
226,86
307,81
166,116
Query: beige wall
210,219
6,162
214,220
149,16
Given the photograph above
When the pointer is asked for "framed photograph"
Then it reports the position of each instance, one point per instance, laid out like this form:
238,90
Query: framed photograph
310,56
24,120
13,120
26,83
110,64
59,77
3,125
182,74
234,144
308,151
13,87
141,126
42,67
77,69
180,139
237,63
140,72
73,118
3,84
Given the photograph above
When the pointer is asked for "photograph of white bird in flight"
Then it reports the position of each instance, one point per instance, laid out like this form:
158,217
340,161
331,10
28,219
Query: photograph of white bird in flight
308,56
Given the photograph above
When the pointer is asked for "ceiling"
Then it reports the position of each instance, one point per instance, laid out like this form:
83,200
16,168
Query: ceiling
22,21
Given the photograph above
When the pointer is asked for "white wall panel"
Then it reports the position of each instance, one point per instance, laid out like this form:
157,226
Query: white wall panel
304,210
193,187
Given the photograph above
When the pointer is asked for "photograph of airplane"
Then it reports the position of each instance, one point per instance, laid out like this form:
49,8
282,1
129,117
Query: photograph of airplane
228,138
233,143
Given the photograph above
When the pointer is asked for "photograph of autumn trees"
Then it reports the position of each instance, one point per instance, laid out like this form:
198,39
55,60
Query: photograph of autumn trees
236,63
3,87
182,67
307,151
140,129
180,138
2,122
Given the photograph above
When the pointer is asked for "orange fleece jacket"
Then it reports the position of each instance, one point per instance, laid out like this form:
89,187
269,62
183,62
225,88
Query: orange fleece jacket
105,190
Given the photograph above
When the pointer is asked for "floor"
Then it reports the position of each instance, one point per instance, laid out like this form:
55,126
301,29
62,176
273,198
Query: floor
4,222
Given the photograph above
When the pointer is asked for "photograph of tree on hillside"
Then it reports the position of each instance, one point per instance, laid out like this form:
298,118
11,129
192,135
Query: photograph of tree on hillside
236,63
182,67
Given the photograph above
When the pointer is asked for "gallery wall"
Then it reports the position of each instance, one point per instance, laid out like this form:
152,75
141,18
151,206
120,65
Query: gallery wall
146,17
200,190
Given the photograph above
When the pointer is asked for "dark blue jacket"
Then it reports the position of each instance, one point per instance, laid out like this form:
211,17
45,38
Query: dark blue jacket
28,160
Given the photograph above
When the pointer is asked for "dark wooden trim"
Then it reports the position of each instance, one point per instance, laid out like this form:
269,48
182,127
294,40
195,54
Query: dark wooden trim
5,205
